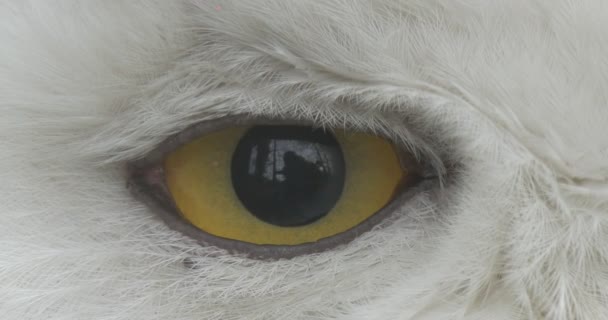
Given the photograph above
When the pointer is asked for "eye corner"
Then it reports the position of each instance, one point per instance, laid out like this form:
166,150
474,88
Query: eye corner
146,183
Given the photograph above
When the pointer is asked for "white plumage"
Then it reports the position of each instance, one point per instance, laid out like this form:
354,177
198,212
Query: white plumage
508,97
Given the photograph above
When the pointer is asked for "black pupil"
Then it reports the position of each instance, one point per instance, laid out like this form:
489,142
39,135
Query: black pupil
288,175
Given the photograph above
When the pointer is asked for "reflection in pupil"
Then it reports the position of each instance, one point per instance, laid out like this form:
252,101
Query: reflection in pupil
288,175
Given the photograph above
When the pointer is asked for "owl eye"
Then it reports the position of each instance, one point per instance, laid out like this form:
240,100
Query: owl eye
272,189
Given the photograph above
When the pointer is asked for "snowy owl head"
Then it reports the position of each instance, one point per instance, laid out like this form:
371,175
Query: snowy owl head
394,159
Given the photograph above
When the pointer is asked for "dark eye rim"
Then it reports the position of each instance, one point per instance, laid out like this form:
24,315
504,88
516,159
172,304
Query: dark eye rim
146,181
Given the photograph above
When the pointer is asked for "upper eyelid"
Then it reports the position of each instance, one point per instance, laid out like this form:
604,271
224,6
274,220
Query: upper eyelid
422,165
197,130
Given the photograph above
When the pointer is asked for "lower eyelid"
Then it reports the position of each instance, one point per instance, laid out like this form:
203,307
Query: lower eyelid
165,208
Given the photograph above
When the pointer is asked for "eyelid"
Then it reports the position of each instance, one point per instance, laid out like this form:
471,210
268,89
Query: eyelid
207,126
147,183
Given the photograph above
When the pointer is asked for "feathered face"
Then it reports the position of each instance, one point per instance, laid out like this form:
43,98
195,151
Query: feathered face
496,110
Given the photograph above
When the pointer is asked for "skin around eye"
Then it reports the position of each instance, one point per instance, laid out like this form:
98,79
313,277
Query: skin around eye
282,184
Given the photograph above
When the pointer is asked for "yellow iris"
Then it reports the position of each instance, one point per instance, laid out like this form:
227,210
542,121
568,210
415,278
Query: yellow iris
198,175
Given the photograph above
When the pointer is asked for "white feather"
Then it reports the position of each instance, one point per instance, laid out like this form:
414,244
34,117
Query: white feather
512,94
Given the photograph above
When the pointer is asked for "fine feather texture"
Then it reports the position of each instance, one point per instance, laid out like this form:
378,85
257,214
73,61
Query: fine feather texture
507,100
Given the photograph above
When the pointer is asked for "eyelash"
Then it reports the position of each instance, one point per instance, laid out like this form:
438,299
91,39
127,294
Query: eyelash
147,183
